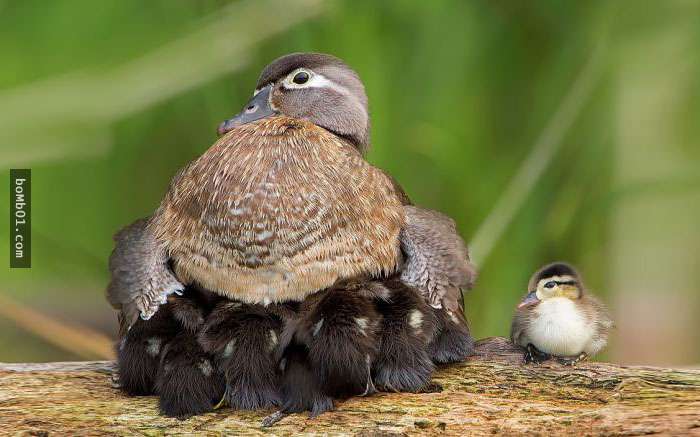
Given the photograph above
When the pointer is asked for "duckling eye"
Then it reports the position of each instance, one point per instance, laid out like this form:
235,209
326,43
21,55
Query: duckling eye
550,284
301,78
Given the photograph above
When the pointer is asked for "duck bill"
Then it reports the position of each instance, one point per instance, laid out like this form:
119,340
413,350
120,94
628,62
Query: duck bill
529,300
257,108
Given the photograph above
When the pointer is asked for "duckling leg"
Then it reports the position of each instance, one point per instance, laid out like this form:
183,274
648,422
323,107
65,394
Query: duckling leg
534,355
572,361
408,324
244,338
339,328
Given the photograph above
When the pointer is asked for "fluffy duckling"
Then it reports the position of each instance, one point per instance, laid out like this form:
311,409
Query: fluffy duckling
559,318
162,356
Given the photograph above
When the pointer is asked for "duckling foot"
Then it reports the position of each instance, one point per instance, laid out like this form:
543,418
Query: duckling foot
114,379
534,355
273,418
572,361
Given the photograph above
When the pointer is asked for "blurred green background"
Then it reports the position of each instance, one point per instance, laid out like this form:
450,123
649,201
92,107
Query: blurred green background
548,130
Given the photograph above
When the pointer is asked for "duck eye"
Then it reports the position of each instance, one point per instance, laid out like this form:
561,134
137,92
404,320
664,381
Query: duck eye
301,78
550,284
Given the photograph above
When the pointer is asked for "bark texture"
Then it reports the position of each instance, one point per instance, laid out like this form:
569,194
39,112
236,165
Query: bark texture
492,393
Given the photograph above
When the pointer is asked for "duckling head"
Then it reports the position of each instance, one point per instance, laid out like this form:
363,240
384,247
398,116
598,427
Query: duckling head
553,281
316,87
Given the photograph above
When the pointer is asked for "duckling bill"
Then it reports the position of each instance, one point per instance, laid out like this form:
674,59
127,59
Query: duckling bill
558,318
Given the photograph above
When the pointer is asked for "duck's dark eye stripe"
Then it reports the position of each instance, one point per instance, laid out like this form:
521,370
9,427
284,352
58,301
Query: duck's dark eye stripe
301,78
566,283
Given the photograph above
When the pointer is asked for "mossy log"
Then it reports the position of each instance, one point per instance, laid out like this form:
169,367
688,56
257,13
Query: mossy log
492,393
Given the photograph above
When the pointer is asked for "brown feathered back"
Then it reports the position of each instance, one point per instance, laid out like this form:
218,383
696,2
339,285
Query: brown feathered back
278,209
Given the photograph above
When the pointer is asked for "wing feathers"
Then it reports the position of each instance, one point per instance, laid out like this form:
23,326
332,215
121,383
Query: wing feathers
141,279
437,260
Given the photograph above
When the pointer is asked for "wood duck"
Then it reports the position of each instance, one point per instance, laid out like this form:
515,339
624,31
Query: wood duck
283,206
559,318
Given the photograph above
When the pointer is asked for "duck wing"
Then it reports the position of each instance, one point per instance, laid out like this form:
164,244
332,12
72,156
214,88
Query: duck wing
437,259
140,276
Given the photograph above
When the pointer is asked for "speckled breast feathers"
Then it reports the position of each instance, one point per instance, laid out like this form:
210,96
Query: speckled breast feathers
276,210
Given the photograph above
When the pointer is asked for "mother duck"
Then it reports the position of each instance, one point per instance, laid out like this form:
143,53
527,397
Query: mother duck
291,270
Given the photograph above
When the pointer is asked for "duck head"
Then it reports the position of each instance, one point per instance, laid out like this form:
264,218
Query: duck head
553,280
316,87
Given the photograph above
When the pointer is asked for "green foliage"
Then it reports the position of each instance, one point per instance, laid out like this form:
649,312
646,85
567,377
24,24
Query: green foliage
106,101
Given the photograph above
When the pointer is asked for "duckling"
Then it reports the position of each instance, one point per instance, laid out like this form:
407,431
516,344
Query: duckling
559,318
162,356
244,337
284,205
409,326
327,348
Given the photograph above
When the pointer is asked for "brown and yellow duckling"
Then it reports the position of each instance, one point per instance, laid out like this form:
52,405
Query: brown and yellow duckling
559,318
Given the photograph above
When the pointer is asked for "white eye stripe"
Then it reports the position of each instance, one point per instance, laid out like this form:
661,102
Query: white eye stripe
316,80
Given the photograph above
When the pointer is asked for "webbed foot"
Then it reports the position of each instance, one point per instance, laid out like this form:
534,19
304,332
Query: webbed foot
572,361
534,355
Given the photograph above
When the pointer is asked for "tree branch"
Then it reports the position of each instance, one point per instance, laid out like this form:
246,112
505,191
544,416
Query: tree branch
491,393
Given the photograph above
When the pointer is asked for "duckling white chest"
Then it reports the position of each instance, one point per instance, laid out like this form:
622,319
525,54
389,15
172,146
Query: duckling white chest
560,328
